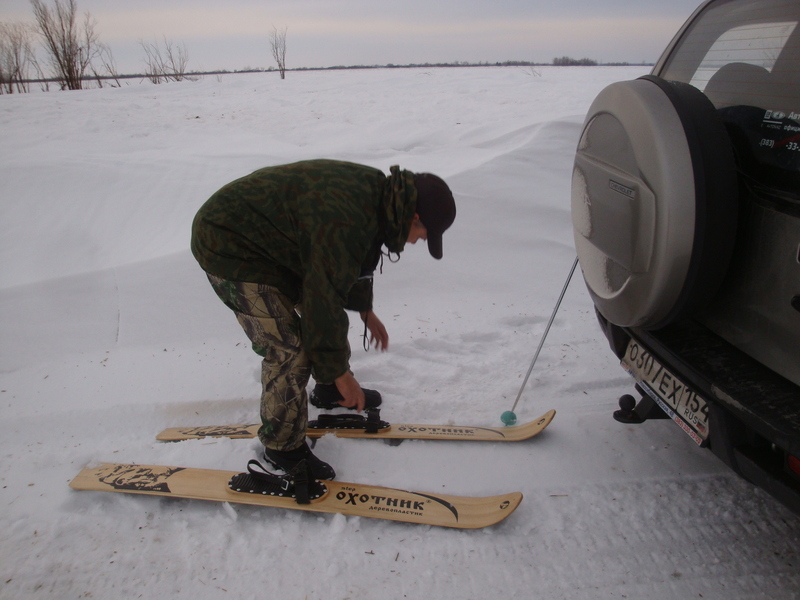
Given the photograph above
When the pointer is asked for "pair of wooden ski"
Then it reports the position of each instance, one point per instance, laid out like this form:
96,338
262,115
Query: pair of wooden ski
339,497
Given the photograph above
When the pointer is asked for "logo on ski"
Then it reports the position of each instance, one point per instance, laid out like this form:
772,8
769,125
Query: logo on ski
218,431
137,478
465,431
393,504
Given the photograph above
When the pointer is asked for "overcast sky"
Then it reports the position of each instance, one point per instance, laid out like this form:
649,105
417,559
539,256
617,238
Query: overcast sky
234,34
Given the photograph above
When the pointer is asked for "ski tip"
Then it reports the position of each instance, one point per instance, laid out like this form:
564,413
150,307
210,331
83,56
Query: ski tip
545,419
515,499
508,504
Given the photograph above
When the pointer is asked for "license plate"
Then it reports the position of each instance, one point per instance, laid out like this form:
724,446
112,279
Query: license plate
678,400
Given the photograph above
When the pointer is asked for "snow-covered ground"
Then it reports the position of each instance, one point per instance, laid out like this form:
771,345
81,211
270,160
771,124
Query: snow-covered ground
109,332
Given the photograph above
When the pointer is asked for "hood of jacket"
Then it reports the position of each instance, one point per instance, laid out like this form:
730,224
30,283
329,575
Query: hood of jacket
399,204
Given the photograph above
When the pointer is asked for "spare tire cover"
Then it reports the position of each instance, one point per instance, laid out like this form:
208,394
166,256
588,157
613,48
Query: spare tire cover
654,202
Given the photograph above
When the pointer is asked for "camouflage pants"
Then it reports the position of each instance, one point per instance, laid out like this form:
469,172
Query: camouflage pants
273,326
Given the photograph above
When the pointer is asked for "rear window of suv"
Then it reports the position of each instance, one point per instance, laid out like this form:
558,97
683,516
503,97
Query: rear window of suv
745,56
757,45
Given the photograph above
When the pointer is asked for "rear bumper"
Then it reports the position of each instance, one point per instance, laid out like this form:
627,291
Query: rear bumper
754,414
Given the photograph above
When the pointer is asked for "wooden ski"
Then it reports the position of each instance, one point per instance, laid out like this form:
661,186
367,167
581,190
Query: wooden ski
397,431
355,499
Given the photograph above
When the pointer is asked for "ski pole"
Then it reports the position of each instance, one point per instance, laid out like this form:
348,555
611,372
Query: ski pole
508,417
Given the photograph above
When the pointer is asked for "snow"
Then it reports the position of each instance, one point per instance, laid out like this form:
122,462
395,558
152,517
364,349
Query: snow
109,332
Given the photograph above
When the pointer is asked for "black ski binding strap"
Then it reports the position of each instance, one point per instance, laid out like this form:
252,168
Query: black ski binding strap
369,424
298,484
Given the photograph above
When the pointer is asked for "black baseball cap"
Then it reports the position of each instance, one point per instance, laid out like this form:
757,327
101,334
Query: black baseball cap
436,208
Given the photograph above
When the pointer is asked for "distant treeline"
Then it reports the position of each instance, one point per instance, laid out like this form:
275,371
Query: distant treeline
564,61
567,61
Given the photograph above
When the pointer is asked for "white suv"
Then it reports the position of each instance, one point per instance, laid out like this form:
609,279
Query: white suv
686,214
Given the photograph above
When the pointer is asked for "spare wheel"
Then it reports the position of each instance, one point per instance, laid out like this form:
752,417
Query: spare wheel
654,202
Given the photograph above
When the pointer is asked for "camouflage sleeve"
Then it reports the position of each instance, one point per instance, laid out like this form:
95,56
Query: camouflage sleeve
331,272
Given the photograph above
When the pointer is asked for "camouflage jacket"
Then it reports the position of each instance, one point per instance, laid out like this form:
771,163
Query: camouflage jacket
315,231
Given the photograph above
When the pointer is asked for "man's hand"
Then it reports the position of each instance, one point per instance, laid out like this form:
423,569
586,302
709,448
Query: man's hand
351,391
378,335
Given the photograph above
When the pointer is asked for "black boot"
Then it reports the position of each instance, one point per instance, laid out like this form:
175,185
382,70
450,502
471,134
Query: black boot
327,396
287,460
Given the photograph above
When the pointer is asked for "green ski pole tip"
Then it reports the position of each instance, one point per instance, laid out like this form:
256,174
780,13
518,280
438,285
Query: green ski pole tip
508,418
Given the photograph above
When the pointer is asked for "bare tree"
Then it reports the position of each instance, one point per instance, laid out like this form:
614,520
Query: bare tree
167,64
16,56
177,59
70,47
277,39
109,68
153,63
